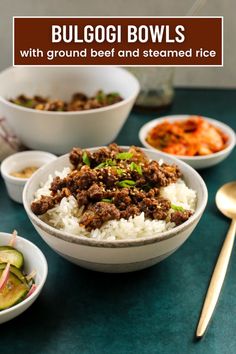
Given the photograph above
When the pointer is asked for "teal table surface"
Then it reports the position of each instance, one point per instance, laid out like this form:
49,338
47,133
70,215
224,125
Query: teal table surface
151,311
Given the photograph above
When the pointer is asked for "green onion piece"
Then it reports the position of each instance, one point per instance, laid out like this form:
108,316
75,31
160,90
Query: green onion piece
132,166
177,208
29,103
108,162
101,165
113,94
139,169
105,200
135,167
85,158
111,97
126,183
124,156
120,171
100,96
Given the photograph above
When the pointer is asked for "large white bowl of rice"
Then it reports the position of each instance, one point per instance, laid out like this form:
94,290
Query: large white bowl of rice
127,243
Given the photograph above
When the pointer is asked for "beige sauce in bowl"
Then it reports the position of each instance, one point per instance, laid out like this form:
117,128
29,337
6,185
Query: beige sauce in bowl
25,172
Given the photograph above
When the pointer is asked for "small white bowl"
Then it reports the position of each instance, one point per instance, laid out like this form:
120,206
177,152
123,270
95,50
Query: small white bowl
17,162
58,132
120,255
33,260
197,162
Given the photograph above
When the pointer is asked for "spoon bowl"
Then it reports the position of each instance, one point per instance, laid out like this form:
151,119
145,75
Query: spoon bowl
226,200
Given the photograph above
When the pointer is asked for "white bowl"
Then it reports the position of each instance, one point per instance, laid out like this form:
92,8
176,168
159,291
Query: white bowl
58,132
17,162
33,260
197,162
115,256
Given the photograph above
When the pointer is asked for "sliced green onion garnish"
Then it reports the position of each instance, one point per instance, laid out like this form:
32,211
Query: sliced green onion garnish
106,200
100,96
29,103
124,156
135,167
120,171
101,165
113,94
85,158
177,208
126,183
108,162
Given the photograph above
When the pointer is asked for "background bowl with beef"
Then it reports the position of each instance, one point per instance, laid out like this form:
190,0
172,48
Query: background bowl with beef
119,255
58,132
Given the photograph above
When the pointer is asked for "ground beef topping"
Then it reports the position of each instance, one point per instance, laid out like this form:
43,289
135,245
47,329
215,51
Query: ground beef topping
41,206
78,102
96,214
178,217
111,184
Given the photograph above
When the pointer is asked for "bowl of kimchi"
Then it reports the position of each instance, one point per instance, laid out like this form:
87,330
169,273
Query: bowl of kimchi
199,141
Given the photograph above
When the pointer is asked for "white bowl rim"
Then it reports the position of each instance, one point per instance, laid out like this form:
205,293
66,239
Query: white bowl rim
82,240
39,286
226,128
74,113
14,156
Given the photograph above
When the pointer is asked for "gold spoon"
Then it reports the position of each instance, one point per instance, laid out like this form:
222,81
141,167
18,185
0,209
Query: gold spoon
226,203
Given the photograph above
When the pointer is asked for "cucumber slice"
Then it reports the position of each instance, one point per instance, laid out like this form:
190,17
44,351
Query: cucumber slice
13,292
11,255
17,272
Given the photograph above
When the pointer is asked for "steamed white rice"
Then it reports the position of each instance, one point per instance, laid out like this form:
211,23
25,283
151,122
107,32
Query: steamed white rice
66,215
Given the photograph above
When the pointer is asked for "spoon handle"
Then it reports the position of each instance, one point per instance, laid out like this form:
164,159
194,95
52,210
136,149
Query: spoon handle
216,280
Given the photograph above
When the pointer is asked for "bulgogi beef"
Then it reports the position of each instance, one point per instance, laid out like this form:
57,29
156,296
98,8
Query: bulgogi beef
79,102
178,217
111,184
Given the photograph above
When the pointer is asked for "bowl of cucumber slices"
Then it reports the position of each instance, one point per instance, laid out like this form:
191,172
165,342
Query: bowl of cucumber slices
23,272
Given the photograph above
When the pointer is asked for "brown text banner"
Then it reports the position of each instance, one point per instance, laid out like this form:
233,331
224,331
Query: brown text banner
177,41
